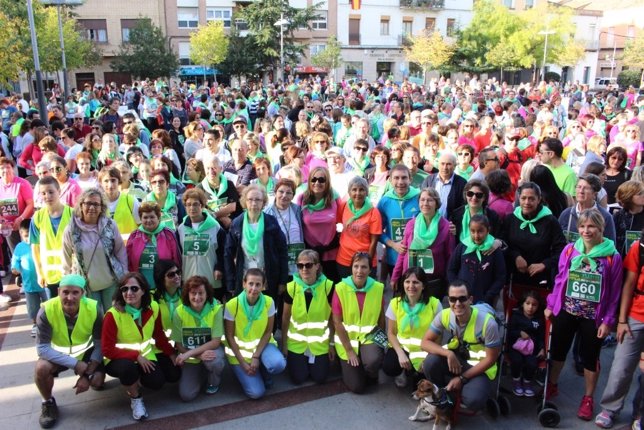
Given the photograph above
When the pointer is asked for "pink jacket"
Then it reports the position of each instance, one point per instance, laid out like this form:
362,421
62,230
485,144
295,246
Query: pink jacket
167,247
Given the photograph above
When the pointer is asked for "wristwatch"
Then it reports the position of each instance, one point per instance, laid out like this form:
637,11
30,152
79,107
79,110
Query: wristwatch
463,379
89,375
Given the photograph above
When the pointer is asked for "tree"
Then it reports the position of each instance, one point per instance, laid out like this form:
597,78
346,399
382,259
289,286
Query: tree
429,51
628,78
634,54
209,44
147,53
14,54
241,58
500,58
570,56
330,56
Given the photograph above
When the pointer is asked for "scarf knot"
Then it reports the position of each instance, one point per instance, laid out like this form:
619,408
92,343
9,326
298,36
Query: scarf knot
544,212
604,249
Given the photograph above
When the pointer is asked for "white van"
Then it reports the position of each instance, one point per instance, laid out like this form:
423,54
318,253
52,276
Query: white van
603,83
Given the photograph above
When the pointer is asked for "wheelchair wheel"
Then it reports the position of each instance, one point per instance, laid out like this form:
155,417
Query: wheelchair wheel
504,405
493,408
549,417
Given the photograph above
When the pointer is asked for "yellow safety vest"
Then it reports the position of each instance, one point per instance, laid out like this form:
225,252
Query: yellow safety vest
81,338
473,339
247,343
128,335
309,329
188,320
123,215
166,320
409,337
356,324
51,245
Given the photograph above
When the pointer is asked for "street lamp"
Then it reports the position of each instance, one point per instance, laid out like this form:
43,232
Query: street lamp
545,50
42,106
281,23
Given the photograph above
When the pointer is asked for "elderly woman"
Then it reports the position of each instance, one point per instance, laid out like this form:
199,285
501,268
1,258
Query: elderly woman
584,300
198,326
93,247
255,240
172,209
361,226
16,200
194,173
616,172
150,242
289,218
262,168
307,328
130,330
588,186
629,221
476,195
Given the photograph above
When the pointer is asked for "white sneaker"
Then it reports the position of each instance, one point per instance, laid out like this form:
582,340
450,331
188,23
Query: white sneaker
5,298
3,273
138,409
401,380
34,329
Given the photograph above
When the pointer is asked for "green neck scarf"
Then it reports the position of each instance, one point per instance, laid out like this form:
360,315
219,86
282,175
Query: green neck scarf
270,184
413,192
315,207
252,238
134,312
256,311
360,166
223,186
208,223
170,201
349,281
411,318
424,235
172,300
605,249
312,288
530,222
465,223
207,308
357,213
152,234
470,246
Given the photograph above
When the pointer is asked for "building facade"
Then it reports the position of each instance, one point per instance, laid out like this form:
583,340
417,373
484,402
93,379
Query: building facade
622,22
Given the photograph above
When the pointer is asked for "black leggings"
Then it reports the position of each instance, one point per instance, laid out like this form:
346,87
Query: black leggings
564,327
129,372
391,365
299,368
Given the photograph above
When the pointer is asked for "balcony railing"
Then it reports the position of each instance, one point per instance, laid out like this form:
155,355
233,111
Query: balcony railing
423,4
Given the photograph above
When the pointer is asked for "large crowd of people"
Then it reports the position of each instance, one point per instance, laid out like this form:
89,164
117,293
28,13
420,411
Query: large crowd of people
162,231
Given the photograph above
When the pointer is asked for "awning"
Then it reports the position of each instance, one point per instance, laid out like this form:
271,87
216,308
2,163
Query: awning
310,69
197,71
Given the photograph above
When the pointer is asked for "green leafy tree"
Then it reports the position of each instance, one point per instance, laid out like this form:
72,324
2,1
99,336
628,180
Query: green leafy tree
499,57
429,51
147,53
634,54
629,78
572,55
14,54
330,56
241,58
209,44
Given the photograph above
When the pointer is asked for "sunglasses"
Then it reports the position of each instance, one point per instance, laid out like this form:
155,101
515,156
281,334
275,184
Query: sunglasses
463,154
78,119
461,299
328,109
173,273
321,180
361,148
134,289
304,265
473,194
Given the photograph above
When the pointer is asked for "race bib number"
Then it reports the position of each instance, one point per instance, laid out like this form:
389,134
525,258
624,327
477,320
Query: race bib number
216,204
377,336
9,208
148,258
398,228
571,236
196,244
631,237
423,258
294,250
194,337
584,286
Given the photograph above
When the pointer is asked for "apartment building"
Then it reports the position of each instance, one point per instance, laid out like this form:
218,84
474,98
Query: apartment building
622,22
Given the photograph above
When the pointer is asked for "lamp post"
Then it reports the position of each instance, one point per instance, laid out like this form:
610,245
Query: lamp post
281,23
42,106
612,60
545,32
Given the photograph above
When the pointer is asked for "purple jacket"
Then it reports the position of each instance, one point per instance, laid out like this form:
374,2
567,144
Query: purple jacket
608,306
441,248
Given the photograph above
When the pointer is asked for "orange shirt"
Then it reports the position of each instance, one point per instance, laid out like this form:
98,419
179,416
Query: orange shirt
357,236
632,264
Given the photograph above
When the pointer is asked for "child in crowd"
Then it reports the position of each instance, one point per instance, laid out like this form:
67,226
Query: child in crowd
526,337
22,263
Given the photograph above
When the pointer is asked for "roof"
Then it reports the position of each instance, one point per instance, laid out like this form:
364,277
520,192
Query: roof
598,4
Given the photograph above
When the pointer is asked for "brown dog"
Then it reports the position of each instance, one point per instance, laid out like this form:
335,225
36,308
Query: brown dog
434,403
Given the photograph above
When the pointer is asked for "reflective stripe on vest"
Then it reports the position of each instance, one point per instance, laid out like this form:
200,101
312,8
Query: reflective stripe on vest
247,343
188,320
123,215
309,329
51,245
128,335
356,323
410,338
81,338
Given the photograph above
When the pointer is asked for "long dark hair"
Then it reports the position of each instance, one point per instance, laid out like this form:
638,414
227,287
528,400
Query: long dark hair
551,194
421,276
161,267
145,300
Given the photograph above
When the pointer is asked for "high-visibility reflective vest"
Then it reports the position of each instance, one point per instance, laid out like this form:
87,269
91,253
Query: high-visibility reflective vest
247,343
128,335
166,319
187,321
309,329
123,215
81,338
473,337
357,324
51,245
410,337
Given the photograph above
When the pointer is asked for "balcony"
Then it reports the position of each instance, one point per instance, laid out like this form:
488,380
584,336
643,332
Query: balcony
423,4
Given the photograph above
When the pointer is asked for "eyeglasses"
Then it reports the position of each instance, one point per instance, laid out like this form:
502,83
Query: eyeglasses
361,149
134,288
309,107
321,180
473,194
304,265
127,122
461,299
463,154
173,273
158,182
92,204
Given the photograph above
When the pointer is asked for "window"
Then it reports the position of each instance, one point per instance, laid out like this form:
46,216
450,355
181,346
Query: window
384,26
241,25
184,54
407,27
353,68
430,24
187,17
126,26
529,4
320,22
509,4
95,29
451,27
216,14
317,48
354,31
610,37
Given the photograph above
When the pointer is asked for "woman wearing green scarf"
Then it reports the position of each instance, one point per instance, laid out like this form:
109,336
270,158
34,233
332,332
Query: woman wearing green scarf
585,300
172,209
534,238
476,195
250,347
408,316
167,278
477,262
262,166
358,316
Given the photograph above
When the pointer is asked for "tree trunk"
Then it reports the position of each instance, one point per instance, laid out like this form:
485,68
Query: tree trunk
425,76
501,78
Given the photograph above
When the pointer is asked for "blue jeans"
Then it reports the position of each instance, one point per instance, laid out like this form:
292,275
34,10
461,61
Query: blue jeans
103,297
272,362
